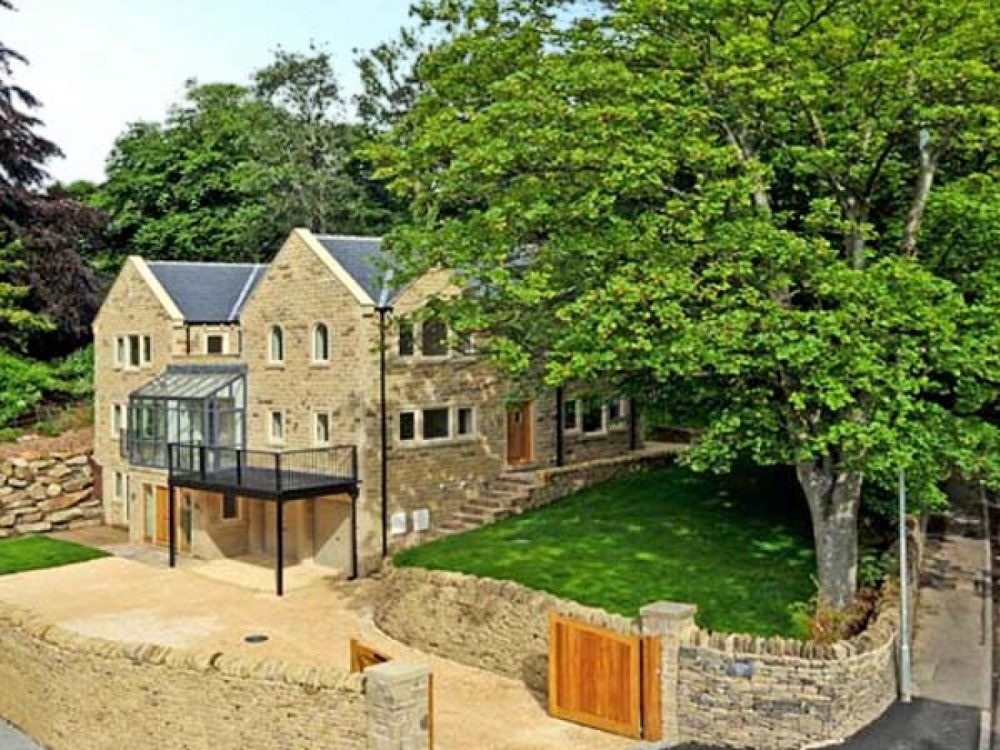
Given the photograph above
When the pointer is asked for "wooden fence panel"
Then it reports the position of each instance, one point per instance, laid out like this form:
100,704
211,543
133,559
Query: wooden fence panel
594,676
363,656
652,705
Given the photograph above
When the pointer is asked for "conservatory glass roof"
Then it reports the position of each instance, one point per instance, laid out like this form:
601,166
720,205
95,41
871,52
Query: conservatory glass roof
191,382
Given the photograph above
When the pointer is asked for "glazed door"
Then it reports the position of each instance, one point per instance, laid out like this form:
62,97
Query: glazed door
519,440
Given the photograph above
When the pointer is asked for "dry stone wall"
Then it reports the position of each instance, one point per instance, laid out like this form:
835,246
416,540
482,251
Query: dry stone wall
499,626
75,692
51,492
717,688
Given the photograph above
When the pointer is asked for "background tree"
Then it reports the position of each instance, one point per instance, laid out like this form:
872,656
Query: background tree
235,168
725,205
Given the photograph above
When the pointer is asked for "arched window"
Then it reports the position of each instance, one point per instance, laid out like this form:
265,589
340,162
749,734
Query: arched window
321,343
277,348
434,338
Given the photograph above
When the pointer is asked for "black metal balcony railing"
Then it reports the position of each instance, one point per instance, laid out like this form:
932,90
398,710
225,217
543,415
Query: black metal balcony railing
263,472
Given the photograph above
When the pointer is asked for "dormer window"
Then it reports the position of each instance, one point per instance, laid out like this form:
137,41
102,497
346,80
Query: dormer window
276,350
321,343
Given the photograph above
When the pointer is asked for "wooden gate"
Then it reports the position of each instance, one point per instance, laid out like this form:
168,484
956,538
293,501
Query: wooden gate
604,679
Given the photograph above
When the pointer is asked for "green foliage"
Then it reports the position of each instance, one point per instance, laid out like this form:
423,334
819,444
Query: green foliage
38,552
722,543
235,168
25,383
17,322
732,207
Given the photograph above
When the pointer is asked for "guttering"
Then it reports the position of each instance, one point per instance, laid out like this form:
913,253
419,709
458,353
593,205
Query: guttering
384,309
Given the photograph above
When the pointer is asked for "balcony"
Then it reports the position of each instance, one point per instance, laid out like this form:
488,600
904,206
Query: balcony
273,475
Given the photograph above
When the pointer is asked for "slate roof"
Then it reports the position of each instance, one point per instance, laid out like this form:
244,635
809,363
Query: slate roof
208,292
363,259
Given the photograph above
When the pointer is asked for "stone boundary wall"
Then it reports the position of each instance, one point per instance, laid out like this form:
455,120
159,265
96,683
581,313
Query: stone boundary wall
720,689
49,492
557,482
499,626
74,692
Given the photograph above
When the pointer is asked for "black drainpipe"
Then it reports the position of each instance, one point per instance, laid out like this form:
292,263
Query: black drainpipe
633,425
560,439
383,312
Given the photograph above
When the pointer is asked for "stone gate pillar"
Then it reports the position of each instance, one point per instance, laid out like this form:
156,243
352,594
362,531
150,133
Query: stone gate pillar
672,622
398,702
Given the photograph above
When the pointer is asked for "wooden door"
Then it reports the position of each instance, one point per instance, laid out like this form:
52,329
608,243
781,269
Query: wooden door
519,433
162,516
595,676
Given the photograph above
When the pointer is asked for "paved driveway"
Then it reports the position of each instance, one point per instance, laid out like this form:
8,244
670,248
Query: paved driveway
126,600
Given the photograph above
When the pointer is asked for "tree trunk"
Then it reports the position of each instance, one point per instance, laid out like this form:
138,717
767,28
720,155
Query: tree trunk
834,497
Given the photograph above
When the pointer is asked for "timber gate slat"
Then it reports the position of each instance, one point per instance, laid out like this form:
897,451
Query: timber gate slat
604,679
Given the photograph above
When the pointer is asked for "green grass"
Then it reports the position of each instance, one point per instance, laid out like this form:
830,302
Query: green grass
37,552
739,547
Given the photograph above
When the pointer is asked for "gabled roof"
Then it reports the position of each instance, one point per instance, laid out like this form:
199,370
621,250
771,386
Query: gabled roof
207,292
363,259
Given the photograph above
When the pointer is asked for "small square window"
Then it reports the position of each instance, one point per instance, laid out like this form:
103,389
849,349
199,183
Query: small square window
277,426
322,429
405,338
465,423
407,425
230,507
571,417
436,424
215,343
147,349
434,338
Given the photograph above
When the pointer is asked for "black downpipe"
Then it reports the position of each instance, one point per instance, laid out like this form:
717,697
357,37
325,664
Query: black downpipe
383,312
560,438
633,425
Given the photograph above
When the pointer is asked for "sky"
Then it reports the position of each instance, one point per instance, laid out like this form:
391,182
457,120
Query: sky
98,65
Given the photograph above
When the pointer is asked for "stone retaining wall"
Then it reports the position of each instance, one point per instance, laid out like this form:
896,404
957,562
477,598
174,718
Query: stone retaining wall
51,492
719,689
73,692
557,482
499,626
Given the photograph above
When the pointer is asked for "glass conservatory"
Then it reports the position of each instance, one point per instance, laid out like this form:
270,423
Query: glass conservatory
203,405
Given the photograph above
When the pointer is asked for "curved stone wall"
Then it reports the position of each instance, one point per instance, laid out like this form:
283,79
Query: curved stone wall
52,492
72,692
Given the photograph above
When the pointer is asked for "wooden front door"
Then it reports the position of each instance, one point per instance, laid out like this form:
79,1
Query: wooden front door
519,435
162,536
597,678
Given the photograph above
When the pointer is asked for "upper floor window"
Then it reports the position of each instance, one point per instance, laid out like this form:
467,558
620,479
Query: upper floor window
276,349
134,355
147,349
277,427
121,349
321,343
215,343
406,338
117,419
133,351
321,428
434,338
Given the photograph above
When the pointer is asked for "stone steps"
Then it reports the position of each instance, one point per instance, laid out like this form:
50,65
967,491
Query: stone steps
501,498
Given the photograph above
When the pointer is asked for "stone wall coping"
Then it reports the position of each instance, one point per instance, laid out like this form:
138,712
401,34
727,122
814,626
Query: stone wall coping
228,665
880,634
663,451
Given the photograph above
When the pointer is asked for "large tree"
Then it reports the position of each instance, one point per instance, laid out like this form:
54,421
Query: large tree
725,203
47,291
235,168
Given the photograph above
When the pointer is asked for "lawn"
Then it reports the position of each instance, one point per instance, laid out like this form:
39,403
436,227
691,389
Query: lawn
37,552
739,547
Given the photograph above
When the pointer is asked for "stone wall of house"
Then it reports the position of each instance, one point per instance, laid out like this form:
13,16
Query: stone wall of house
75,692
50,492
718,689
499,626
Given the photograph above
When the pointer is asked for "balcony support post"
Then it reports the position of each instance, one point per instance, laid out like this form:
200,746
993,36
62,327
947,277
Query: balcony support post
280,562
172,522
354,533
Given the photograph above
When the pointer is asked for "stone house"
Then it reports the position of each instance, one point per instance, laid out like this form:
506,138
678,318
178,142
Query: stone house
262,397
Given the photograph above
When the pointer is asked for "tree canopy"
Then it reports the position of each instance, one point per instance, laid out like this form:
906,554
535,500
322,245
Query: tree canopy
760,208
234,168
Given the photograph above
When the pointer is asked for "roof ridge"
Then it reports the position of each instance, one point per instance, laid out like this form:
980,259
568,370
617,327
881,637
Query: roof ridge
364,237
219,263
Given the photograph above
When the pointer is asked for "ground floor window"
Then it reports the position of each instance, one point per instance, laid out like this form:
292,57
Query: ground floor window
617,412
436,424
593,416
277,430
